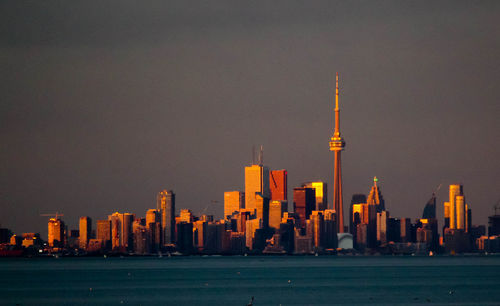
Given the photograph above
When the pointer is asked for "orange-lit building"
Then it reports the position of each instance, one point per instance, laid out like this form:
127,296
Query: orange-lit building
85,226
276,210
278,185
233,202
56,232
321,192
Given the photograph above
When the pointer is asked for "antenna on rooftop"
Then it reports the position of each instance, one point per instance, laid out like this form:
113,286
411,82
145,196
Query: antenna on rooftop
261,156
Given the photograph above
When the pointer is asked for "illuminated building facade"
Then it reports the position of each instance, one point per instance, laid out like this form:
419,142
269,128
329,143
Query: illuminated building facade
85,226
256,187
321,194
56,232
276,211
375,197
278,185
337,145
234,201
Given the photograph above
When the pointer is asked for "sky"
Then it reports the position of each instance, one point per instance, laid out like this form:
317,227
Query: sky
104,104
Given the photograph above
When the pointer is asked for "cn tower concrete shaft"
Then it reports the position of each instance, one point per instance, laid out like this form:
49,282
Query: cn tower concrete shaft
337,144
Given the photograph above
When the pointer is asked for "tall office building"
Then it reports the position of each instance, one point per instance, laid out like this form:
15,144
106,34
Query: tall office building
321,194
430,208
318,228
337,145
304,202
456,207
165,203
234,201
256,182
356,199
56,232
121,231
85,231
153,224
276,211
257,192
382,224
104,232
278,185
375,197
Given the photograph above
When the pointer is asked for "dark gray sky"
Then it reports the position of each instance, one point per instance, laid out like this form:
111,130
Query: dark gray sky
103,104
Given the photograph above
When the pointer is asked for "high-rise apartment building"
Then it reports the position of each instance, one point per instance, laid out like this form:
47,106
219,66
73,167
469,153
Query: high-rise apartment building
56,232
321,194
278,185
166,206
234,201
121,230
85,231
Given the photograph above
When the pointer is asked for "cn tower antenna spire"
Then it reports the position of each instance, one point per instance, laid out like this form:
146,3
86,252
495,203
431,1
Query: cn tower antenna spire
337,145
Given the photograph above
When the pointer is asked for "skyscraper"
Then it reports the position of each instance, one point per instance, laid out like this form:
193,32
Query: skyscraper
321,194
304,201
457,207
233,201
337,144
430,208
276,210
165,204
278,185
56,232
257,191
375,197
85,231
104,232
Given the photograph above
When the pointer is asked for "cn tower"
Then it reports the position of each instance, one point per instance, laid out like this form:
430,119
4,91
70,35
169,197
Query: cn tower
337,144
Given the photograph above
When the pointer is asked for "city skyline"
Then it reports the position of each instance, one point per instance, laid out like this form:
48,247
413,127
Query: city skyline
98,123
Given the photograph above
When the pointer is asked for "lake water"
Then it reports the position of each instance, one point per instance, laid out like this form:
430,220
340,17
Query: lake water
287,280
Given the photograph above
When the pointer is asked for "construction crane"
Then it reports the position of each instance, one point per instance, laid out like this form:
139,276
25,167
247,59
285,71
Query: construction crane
206,207
56,215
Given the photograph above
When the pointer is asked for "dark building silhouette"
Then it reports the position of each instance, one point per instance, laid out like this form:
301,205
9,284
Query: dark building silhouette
430,208
166,207
304,201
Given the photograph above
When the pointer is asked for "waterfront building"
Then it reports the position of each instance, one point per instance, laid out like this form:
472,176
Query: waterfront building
456,190
141,237
56,230
234,201
405,231
304,201
278,185
121,231
104,232
331,239
318,228
320,192
494,225
337,145
85,226
165,204
185,237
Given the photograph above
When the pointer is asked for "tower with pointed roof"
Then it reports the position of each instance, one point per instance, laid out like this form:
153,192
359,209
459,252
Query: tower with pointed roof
337,145
375,197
